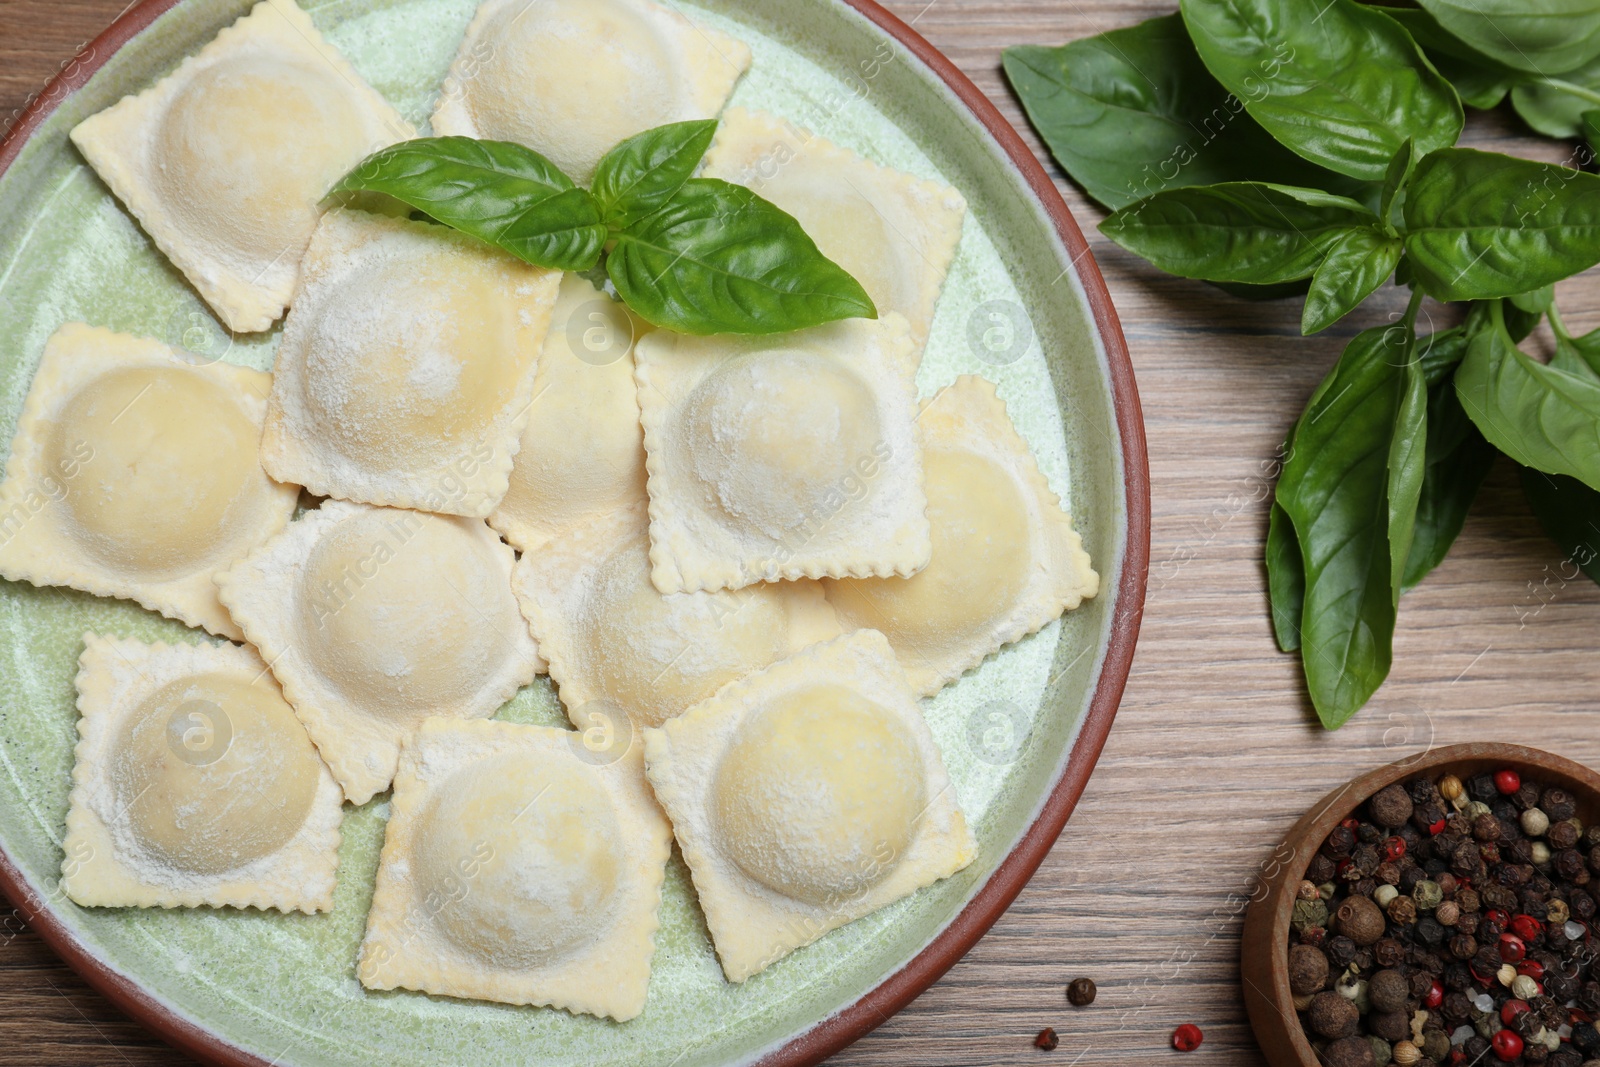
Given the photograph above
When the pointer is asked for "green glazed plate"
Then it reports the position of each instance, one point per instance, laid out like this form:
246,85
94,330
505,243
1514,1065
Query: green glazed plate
1024,306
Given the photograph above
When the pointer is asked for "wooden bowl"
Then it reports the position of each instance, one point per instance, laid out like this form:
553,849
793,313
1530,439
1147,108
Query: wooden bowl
1264,956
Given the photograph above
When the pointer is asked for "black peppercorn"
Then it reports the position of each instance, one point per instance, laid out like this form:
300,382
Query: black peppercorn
1321,869
1341,950
1429,932
1410,876
1570,864
1435,1045
1339,843
1081,991
1419,982
1558,804
1456,1007
1421,790
1482,787
1504,809
1526,797
1389,952
1487,961
1332,1016
1392,807
1586,1039
1463,946
1520,851
1476,1047
1456,976
1564,1057
1428,815
1562,835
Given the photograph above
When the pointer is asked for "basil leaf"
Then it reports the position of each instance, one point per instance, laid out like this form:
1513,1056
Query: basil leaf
1556,106
1535,301
1286,579
1342,85
1458,460
1539,416
720,259
1578,355
1356,264
1407,465
1480,81
1237,232
640,175
1591,129
496,191
1394,180
1336,490
1569,511
1543,36
1482,225
1134,112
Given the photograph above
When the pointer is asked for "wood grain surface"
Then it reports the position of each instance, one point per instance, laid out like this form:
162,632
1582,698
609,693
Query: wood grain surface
1215,753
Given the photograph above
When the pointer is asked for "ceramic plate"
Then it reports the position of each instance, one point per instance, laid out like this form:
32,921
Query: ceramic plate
1024,305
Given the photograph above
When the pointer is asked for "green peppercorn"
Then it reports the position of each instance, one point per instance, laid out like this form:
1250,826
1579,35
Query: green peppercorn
1427,894
1309,913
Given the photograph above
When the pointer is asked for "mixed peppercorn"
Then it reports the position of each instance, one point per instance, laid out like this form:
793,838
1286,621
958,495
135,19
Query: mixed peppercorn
1451,924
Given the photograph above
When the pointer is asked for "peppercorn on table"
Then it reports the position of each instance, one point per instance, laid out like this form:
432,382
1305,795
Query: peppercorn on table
1215,754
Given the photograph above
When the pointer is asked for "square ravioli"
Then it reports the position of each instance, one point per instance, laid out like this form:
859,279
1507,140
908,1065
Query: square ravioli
582,451
225,161
516,868
573,78
136,473
374,619
406,367
790,456
804,797
894,232
195,785
1006,559
625,656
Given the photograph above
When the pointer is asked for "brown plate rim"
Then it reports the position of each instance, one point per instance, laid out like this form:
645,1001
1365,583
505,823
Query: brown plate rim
985,908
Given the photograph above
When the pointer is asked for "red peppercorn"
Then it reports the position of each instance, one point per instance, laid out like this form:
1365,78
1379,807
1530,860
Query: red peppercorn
1508,782
1526,927
1498,917
1512,948
1531,969
1511,1009
1435,995
1187,1038
1437,828
1046,1040
1507,1045
1351,824
1393,849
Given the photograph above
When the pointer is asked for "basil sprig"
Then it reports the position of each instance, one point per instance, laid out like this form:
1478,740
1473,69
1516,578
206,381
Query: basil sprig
1272,147
690,254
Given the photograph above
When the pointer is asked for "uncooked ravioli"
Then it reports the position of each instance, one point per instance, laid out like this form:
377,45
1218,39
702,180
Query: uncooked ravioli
195,784
517,869
225,161
376,618
406,369
572,78
134,473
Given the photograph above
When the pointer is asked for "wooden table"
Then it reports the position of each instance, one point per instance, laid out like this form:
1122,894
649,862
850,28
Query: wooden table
1215,753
